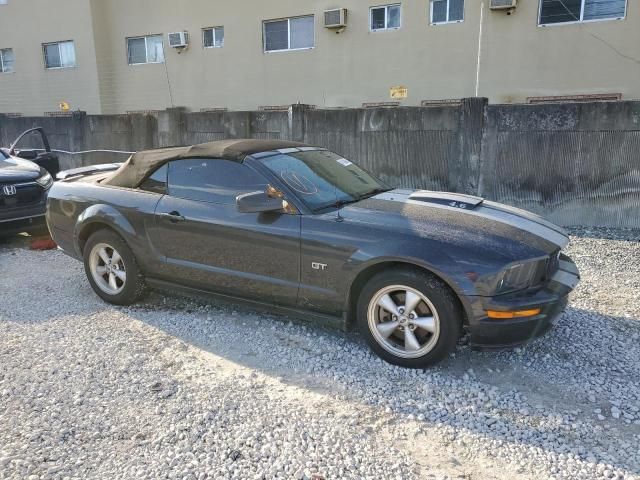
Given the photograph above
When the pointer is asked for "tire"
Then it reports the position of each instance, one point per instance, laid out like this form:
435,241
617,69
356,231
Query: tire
115,278
434,323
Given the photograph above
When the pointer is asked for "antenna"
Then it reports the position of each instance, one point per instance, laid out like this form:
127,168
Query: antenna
339,218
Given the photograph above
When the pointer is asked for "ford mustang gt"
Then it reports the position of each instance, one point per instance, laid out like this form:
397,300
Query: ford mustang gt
308,232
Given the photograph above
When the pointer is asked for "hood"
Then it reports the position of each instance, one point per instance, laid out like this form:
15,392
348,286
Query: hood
462,220
14,170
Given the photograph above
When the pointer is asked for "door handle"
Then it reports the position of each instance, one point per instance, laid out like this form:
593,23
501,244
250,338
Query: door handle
174,216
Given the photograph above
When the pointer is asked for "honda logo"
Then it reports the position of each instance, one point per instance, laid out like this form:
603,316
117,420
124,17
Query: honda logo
9,190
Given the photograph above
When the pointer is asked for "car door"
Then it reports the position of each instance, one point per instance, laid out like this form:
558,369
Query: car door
208,244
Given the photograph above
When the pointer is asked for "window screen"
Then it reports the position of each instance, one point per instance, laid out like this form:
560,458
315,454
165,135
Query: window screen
6,60
602,9
445,11
213,37
137,50
289,34
378,18
456,10
302,32
215,181
59,55
385,17
276,35
564,11
148,49
393,16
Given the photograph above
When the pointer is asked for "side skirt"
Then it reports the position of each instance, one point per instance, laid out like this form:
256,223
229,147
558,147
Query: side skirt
305,316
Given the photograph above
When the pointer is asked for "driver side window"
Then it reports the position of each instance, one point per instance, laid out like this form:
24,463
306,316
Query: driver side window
212,180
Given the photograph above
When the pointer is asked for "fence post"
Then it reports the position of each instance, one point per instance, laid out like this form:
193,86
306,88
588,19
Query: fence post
297,114
171,127
237,124
76,140
3,140
464,168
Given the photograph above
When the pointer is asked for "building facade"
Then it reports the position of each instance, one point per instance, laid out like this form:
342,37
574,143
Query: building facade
114,56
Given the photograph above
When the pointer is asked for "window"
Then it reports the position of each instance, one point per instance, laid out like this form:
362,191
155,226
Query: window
289,34
59,54
149,49
215,181
322,179
213,37
447,11
157,182
571,11
385,18
6,60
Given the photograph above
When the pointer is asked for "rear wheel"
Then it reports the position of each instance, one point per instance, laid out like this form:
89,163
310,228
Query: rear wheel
112,269
409,318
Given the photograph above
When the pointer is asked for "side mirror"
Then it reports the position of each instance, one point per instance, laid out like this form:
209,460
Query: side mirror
257,202
27,154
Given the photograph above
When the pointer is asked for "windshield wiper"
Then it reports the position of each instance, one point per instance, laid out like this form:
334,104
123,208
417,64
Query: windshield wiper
343,202
373,193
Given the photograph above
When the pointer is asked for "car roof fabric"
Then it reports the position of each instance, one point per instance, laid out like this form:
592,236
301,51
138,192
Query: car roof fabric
142,164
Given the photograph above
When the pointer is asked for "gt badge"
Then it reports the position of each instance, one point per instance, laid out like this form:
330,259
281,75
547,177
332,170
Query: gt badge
318,266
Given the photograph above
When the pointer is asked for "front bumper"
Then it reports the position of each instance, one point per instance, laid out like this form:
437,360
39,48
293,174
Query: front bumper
492,334
21,220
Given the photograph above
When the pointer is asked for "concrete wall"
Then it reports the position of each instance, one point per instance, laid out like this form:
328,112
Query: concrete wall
517,58
576,164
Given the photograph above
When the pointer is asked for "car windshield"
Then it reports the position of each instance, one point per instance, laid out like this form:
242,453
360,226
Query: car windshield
323,179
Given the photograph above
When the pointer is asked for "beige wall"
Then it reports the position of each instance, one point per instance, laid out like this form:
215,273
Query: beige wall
518,58
31,89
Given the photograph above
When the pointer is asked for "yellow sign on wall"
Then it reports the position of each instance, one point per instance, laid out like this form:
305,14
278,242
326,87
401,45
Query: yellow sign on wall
399,92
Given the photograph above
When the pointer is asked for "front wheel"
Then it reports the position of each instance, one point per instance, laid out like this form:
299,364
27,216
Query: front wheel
112,269
409,318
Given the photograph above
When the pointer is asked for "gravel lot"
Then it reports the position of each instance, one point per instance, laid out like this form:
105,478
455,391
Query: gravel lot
174,389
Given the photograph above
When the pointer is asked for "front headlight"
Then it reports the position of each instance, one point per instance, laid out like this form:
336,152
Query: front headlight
45,180
521,276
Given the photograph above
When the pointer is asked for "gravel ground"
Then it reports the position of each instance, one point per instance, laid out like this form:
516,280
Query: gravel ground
176,389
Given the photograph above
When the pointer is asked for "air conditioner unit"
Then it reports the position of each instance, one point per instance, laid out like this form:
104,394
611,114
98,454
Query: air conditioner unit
336,18
179,40
503,4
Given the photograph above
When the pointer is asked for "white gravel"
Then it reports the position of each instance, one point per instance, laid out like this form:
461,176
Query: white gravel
174,389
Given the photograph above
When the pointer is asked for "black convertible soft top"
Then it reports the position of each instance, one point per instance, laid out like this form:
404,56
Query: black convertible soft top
142,164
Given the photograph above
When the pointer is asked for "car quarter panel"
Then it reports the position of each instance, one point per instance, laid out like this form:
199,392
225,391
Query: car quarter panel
74,207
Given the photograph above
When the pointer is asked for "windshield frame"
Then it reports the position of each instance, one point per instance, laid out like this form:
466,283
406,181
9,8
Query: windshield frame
258,160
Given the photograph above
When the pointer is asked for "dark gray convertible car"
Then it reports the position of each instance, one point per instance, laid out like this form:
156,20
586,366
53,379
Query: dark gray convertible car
306,231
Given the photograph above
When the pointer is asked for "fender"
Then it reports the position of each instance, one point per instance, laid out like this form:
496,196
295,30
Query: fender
408,254
104,214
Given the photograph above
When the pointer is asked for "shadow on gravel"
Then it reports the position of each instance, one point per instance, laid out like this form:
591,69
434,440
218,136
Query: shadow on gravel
532,396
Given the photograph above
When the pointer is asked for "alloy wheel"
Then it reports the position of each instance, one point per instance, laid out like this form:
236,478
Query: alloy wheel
403,321
107,269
